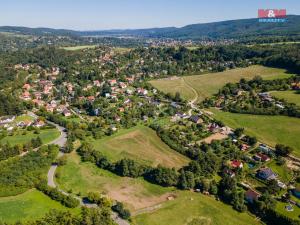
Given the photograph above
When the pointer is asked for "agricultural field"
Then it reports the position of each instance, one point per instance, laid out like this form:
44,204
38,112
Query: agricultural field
203,86
19,137
193,208
79,47
142,144
29,205
289,96
268,129
83,177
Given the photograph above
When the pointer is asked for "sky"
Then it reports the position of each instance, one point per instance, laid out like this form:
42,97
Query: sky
124,14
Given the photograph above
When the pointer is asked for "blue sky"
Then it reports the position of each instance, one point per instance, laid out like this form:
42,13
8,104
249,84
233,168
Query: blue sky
112,14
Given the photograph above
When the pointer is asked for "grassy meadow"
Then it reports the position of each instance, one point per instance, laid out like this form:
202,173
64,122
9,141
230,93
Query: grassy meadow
83,177
142,144
46,135
191,208
289,96
268,129
30,205
208,84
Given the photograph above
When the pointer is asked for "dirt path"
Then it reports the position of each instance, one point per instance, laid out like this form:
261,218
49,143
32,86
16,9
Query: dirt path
192,102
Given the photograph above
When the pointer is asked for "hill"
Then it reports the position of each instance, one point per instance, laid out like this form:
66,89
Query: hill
224,29
142,144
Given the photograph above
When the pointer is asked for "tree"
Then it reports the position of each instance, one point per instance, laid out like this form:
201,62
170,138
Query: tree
238,132
177,97
283,150
120,209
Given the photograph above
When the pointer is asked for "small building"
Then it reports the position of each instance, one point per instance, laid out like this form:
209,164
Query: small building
112,82
266,174
67,113
251,195
236,164
26,87
196,119
38,123
261,157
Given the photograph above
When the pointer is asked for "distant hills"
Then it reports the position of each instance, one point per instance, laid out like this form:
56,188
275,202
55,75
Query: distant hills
215,30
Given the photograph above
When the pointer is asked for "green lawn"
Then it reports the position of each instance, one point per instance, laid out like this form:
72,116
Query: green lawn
194,208
47,136
208,84
268,129
27,206
83,177
280,207
283,172
289,96
142,144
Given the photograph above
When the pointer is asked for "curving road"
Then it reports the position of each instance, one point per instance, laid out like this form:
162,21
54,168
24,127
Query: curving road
61,141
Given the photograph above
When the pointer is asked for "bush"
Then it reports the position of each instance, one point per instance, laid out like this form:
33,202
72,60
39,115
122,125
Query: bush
119,208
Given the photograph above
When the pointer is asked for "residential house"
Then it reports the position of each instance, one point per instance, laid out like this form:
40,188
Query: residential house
229,172
49,108
236,164
97,83
122,85
24,123
67,113
266,174
5,120
244,147
91,98
38,123
26,87
251,195
261,157
130,79
26,95
196,119
112,82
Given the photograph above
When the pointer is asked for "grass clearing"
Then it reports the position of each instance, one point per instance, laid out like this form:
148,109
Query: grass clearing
208,84
30,205
268,129
193,208
289,96
142,144
46,135
83,177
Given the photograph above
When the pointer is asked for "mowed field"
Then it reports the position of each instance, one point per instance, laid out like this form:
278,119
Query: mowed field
208,84
289,96
79,47
190,208
47,136
32,204
268,129
83,177
142,144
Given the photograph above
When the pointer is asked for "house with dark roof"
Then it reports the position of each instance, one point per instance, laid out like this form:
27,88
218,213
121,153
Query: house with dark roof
266,174
196,119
